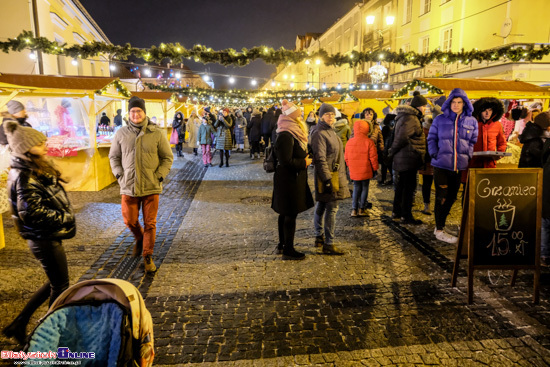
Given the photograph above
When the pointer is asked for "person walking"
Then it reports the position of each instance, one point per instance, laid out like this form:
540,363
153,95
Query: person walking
362,160
240,126
17,112
330,169
291,193
407,151
451,141
140,158
193,124
255,133
205,140
223,138
178,125
43,215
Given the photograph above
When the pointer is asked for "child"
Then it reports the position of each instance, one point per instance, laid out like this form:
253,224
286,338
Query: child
205,140
362,159
43,215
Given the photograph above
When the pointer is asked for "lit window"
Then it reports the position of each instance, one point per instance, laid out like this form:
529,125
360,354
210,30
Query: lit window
426,6
447,40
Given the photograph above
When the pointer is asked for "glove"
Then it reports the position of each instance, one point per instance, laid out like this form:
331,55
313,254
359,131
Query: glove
327,187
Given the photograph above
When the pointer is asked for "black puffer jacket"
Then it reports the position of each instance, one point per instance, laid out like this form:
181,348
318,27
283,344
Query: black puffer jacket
409,142
40,206
531,152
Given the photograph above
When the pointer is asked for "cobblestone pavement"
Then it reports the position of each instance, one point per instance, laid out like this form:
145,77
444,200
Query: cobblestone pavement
222,296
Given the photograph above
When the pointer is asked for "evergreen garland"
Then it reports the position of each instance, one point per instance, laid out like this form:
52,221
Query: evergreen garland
176,53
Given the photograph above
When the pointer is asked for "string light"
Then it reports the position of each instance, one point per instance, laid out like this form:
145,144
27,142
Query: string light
33,56
74,62
231,80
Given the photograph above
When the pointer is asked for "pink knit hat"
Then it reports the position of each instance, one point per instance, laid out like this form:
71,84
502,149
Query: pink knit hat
291,110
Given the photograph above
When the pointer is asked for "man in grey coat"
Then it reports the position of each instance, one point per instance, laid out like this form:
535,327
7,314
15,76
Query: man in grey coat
140,158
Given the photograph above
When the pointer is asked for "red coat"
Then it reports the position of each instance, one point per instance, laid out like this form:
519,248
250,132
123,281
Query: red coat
361,156
490,138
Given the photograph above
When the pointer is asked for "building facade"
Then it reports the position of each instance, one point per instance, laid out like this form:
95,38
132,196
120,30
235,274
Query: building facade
65,21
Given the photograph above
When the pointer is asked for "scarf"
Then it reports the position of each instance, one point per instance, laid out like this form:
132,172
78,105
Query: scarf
137,127
294,127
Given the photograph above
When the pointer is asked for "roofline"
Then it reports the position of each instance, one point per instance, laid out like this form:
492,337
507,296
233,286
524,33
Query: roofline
91,20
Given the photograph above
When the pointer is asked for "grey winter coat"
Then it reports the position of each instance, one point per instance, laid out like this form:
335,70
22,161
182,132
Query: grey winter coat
409,142
223,135
326,147
140,159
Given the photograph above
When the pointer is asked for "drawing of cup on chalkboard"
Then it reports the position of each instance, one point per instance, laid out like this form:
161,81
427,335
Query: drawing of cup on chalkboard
504,215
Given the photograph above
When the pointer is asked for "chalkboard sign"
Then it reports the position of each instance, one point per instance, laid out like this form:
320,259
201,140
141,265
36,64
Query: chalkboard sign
501,221
505,212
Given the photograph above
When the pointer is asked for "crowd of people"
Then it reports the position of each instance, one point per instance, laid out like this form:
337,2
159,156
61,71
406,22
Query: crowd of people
436,139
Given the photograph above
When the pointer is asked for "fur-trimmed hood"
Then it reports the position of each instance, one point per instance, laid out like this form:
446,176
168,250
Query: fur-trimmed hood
488,102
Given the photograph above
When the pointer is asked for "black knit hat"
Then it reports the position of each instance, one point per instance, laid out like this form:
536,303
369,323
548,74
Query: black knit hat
136,102
418,100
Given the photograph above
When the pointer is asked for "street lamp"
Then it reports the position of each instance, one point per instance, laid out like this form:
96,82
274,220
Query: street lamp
390,19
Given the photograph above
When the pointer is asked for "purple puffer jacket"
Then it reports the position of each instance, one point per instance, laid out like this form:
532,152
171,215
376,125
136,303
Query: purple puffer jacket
441,138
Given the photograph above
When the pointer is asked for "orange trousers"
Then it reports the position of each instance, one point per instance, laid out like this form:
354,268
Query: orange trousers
130,212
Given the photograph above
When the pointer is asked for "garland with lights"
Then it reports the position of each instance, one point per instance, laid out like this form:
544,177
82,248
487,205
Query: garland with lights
119,87
410,86
175,52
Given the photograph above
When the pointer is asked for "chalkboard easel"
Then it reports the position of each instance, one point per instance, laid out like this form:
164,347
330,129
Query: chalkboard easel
500,225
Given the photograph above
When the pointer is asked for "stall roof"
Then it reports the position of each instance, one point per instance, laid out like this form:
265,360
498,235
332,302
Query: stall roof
55,82
153,95
447,84
372,94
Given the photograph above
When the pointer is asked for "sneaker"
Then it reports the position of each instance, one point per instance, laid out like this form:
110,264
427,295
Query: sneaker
353,213
138,248
331,250
445,237
452,232
149,264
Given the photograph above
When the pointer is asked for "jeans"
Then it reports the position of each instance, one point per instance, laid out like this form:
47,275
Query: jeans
130,212
324,220
545,238
360,194
403,199
54,262
447,184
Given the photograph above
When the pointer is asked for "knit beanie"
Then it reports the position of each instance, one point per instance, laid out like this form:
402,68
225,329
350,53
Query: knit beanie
136,102
543,120
291,110
15,106
325,107
22,138
418,100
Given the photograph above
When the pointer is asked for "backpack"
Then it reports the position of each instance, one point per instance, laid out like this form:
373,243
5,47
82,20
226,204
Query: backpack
270,160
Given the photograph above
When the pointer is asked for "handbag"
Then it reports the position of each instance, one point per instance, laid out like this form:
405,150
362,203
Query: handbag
334,178
270,160
174,137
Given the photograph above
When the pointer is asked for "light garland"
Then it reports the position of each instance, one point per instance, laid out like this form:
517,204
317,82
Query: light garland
199,53
410,86
119,87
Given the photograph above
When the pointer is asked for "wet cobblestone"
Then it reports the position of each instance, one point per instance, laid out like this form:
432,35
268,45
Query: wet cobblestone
222,296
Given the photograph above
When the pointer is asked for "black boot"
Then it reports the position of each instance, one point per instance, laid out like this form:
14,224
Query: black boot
292,254
221,158
17,330
227,158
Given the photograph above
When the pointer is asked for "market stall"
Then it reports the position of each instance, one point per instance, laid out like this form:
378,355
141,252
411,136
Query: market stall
67,110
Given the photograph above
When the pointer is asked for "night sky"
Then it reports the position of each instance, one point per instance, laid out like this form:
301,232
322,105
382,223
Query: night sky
218,24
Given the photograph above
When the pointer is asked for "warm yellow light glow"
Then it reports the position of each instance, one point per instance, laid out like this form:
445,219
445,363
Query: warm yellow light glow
307,62
292,77
318,61
285,76
370,19
390,19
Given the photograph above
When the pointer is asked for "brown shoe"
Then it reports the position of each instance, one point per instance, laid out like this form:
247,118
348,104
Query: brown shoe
138,248
362,213
353,213
331,250
149,264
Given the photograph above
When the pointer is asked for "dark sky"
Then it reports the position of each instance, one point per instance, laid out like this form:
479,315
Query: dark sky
216,23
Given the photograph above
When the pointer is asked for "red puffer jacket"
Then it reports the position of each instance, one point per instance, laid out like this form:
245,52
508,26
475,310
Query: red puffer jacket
361,156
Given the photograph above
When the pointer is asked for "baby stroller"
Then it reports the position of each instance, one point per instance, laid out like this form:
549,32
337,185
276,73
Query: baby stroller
100,322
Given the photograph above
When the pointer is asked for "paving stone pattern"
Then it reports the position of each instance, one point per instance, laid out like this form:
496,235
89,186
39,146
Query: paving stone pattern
223,297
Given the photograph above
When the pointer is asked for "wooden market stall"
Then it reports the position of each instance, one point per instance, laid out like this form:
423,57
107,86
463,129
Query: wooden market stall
67,109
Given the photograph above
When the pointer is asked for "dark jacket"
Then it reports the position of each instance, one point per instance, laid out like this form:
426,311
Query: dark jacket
3,137
255,128
531,152
40,206
546,179
291,193
248,114
179,125
445,127
409,143
104,120
118,120
326,146
274,120
267,121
